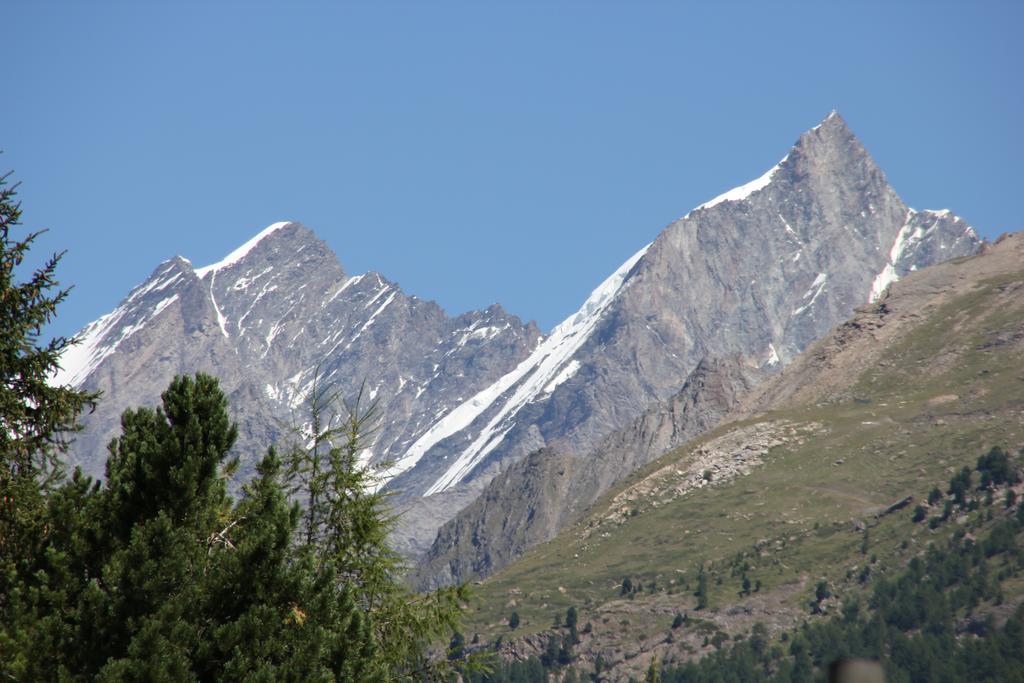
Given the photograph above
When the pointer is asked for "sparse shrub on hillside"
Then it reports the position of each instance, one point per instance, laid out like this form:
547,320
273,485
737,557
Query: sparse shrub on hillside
959,485
997,469
702,590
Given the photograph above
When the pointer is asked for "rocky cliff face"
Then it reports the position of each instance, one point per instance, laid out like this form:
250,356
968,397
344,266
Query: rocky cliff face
545,492
266,320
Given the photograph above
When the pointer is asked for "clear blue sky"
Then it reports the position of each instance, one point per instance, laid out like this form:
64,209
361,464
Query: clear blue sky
479,151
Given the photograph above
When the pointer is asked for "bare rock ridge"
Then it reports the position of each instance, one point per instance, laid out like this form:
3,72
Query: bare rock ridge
757,273
547,491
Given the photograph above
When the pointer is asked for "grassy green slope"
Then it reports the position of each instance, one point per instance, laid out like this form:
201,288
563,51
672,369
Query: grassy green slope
942,387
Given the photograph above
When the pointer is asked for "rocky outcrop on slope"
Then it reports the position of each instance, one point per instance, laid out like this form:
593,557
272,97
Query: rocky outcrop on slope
547,491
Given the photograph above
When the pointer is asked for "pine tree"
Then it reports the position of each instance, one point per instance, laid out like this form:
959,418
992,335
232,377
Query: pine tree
653,672
161,526
36,420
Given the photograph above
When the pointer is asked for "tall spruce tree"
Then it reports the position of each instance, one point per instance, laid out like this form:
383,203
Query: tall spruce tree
35,421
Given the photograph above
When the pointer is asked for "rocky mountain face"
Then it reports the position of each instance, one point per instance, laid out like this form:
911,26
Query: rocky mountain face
756,274
270,317
543,493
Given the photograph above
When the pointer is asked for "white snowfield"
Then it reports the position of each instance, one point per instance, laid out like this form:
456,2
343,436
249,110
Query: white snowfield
101,338
241,252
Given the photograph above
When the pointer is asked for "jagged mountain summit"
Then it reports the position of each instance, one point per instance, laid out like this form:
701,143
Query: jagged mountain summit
265,320
756,273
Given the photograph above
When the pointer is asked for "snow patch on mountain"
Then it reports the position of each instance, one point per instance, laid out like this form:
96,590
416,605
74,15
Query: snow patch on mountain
743,191
355,279
773,357
373,317
907,236
813,293
239,253
221,320
549,364
101,338
567,372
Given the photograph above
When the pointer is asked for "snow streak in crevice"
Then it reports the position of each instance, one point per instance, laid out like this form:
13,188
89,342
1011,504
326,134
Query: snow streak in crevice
550,364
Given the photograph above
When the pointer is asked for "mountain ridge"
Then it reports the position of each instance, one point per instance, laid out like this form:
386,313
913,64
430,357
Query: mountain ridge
756,273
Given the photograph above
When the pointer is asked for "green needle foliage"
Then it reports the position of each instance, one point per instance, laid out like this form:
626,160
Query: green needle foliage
36,418
345,526
159,575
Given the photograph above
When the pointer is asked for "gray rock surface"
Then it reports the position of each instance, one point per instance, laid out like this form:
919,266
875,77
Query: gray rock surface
759,273
266,323
538,496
